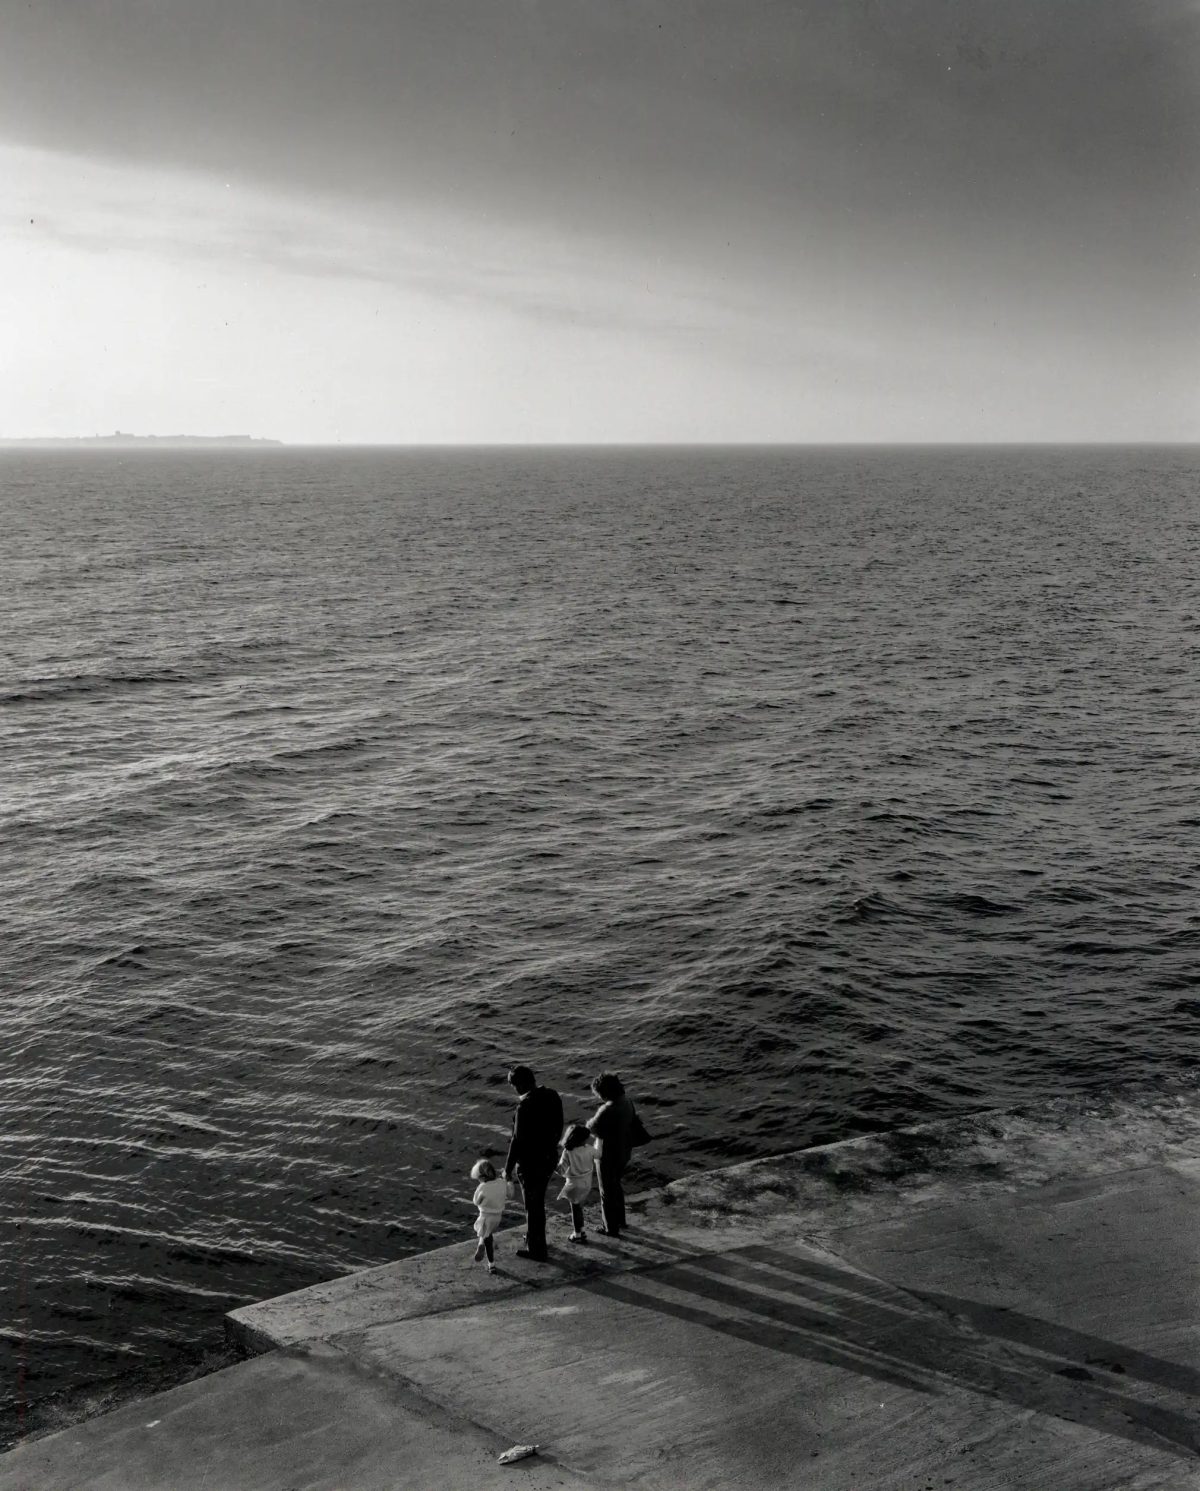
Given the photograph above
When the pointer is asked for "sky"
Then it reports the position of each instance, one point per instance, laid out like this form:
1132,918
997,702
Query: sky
410,221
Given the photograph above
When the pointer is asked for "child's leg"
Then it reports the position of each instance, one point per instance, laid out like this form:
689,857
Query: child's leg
576,1217
488,1249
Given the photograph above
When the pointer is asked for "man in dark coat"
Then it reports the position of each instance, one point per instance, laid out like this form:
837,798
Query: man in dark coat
533,1153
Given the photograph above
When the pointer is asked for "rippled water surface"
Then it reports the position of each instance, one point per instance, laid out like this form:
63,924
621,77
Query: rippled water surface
815,791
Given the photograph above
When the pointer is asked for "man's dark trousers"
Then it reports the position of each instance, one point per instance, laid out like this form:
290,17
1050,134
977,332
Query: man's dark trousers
533,1192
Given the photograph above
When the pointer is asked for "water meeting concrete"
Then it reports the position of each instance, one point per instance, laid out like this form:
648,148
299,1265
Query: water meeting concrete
1003,1302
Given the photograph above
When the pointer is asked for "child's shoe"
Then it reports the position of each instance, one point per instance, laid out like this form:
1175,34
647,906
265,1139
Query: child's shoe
579,1237
491,1268
479,1253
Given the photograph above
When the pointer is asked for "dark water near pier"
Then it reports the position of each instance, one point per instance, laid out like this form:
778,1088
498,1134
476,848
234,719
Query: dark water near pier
815,791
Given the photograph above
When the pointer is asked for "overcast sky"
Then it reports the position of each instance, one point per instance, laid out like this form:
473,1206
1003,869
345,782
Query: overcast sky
478,220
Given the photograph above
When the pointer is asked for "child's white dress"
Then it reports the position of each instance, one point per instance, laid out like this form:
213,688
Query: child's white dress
577,1164
490,1198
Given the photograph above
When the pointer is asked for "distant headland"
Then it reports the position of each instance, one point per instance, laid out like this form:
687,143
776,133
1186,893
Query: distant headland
120,440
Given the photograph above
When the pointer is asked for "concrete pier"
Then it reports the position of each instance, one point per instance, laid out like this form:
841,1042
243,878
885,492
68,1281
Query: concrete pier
1009,1302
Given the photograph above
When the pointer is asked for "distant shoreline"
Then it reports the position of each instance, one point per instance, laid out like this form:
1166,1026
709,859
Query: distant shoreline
121,441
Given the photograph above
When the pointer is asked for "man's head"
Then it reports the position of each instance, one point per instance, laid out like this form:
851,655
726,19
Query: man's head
522,1079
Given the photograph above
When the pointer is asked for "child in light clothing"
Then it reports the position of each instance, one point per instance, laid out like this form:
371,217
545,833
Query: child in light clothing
576,1162
490,1196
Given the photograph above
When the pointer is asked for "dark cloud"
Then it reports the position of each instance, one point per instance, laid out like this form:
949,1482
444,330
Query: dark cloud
984,168
629,109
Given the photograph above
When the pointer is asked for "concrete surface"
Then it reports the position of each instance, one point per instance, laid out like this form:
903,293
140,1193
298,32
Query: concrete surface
281,1422
1009,1303
781,1366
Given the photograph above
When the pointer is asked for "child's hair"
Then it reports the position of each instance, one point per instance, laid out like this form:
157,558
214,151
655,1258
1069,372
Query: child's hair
576,1135
483,1170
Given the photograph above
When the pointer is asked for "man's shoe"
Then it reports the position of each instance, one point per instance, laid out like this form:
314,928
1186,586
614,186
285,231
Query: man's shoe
533,1257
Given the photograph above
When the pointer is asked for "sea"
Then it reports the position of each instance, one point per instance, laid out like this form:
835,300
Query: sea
813,790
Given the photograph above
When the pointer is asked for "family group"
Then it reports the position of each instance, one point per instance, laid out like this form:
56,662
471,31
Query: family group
542,1145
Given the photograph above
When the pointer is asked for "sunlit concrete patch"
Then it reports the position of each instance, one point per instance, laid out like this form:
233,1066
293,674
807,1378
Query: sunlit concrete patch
635,1374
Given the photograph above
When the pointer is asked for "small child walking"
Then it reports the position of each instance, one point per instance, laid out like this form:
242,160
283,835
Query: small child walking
576,1163
490,1196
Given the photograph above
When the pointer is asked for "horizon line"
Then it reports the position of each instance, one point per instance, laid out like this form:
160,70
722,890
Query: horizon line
271,443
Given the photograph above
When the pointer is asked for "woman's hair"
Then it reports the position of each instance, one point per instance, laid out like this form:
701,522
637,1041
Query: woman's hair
483,1170
576,1135
608,1086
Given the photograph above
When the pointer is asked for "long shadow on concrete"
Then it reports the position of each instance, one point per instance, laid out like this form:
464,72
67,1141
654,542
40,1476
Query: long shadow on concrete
789,1302
1009,1325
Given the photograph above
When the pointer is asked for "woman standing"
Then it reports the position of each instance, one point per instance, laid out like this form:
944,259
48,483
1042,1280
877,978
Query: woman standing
617,1129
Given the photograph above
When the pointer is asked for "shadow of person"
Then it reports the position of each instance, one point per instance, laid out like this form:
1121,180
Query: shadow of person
786,1301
